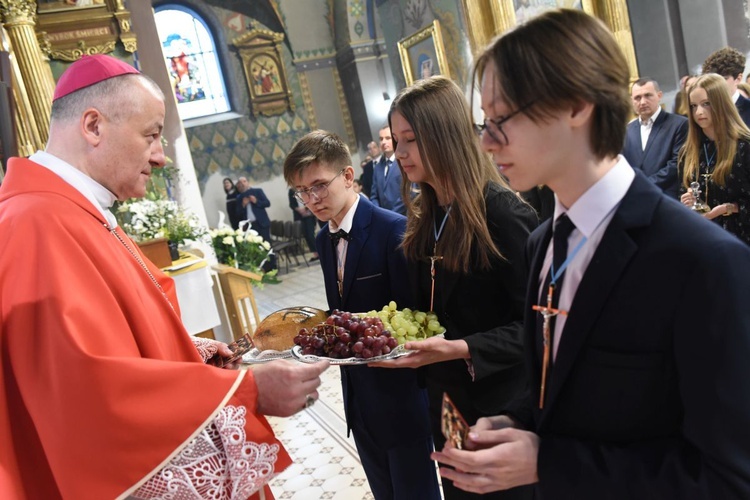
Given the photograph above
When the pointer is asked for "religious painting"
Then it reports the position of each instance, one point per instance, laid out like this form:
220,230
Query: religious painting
526,9
422,54
265,71
56,5
260,51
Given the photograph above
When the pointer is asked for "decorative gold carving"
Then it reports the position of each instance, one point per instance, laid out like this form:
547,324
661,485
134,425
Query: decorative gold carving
260,50
97,26
82,50
18,12
422,52
312,119
348,124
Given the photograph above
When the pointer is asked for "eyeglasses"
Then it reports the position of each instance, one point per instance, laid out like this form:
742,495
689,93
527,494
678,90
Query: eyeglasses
317,192
495,127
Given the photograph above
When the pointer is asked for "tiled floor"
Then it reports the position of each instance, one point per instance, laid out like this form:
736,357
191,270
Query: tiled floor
326,464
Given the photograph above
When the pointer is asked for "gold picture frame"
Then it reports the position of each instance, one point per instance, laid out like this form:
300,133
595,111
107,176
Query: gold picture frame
70,29
423,54
488,18
267,83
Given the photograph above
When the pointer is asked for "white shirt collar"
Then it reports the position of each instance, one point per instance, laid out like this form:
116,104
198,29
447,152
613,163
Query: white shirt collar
347,221
652,118
599,200
735,96
99,196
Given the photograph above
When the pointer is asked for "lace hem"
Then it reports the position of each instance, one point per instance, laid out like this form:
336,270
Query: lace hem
219,464
206,347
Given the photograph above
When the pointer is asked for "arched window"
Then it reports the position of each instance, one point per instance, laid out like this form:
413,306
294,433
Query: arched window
192,62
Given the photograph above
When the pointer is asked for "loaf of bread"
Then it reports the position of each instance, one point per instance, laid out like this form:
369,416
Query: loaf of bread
277,331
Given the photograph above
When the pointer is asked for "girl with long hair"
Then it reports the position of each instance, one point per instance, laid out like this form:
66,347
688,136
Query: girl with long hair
716,155
465,238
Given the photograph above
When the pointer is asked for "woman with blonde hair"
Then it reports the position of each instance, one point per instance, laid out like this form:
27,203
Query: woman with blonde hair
716,155
465,237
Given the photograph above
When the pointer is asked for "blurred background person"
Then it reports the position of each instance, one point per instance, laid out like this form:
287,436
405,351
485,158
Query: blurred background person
303,214
653,140
730,64
232,211
717,156
373,152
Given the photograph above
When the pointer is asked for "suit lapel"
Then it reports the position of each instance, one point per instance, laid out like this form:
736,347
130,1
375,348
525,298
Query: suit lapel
361,222
655,131
328,262
608,264
636,148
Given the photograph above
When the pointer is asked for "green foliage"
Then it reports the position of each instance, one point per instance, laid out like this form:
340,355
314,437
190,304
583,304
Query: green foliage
243,250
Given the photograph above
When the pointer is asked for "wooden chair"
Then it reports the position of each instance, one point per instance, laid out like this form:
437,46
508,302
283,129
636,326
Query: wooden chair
237,289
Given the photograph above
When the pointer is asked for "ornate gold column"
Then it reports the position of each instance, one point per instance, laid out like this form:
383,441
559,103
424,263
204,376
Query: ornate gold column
614,13
28,140
19,19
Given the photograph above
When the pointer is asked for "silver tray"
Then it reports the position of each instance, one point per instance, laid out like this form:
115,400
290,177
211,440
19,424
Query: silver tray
397,352
254,356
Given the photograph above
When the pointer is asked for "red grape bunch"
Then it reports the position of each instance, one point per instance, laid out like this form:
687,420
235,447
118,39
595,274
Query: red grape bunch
344,335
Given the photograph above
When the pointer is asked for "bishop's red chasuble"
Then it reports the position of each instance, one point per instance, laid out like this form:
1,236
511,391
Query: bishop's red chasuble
102,393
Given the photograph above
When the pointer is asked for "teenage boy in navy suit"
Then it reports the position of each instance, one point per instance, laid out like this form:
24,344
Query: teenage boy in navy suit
364,269
639,390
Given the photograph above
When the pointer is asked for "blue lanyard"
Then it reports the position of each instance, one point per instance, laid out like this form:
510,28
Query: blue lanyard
708,160
571,256
442,224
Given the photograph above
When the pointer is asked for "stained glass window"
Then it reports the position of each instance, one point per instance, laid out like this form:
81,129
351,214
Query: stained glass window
192,62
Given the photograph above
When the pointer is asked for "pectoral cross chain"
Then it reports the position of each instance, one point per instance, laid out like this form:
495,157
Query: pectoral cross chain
548,312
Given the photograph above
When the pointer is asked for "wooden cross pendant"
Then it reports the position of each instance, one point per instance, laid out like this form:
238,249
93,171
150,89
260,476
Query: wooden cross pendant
433,259
548,312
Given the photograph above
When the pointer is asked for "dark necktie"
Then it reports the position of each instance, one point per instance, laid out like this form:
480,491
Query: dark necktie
563,227
338,235
388,164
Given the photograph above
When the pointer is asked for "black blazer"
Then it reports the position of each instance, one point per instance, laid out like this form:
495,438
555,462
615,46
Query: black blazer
375,274
743,107
366,177
647,397
485,308
659,160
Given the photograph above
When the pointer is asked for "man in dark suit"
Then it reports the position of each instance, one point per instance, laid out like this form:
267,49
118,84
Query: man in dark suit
364,269
638,358
252,204
730,63
655,137
367,168
386,177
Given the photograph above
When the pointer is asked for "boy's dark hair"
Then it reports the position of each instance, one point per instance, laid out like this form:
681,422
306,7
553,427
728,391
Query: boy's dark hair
319,146
725,62
559,58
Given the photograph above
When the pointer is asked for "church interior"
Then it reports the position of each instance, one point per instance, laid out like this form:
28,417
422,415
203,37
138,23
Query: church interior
249,79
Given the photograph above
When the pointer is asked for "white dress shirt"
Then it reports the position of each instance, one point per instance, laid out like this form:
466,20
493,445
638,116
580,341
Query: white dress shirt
99,196
647,126
591,214
343,245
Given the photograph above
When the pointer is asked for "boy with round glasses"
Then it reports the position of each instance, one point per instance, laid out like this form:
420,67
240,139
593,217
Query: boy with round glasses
636,326
364,269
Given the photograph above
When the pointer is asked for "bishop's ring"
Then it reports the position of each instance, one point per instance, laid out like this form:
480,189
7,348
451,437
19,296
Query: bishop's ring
309,401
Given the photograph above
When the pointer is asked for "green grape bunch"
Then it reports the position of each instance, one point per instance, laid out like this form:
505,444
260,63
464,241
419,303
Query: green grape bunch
407,325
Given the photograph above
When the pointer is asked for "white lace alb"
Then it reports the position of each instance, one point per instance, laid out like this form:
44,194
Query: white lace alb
219,464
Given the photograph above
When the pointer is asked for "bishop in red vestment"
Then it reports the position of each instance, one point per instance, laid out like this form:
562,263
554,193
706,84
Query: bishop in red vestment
103,394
